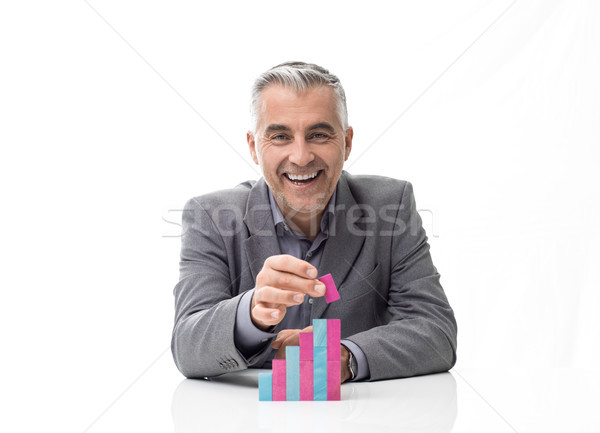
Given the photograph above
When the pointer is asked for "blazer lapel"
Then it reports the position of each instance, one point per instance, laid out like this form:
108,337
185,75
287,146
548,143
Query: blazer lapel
344,243
262,242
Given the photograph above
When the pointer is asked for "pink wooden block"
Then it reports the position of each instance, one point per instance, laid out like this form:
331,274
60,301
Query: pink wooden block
333,339
333,381
279,393
331,293
306,346
306,380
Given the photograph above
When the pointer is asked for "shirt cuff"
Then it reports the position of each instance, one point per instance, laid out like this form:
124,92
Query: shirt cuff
361,360
248,339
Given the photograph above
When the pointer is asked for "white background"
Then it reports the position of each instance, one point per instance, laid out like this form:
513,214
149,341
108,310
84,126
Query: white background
114,113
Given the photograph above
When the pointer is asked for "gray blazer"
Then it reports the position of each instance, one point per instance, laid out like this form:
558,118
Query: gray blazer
392,304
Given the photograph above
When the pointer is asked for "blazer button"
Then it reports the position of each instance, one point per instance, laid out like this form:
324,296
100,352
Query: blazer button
310,301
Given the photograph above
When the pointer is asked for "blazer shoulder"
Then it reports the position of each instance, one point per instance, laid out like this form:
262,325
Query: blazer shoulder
236,197
377,189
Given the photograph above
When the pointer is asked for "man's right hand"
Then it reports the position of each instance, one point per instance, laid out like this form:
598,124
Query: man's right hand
283,281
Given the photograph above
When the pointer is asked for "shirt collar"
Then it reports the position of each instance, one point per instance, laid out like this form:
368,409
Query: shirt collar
281,224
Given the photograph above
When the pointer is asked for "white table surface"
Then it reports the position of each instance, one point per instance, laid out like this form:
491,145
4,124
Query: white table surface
463,400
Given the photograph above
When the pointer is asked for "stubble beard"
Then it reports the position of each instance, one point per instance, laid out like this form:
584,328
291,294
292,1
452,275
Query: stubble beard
313,208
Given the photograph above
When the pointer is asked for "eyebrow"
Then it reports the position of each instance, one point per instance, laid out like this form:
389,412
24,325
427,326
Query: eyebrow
276,128
321,125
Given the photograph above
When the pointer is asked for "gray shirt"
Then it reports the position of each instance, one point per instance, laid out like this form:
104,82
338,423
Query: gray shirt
248,338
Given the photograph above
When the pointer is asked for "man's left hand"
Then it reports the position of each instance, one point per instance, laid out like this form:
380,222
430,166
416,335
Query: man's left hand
287,337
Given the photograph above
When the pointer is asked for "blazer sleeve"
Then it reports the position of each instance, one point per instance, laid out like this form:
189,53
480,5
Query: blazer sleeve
202,342
420,337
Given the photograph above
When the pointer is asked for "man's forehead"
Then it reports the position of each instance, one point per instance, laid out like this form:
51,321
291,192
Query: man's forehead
283,106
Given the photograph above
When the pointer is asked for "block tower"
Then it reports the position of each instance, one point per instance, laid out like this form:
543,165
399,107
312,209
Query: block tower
310,371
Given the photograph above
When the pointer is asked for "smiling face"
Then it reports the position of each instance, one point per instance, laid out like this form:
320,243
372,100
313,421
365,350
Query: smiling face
301,147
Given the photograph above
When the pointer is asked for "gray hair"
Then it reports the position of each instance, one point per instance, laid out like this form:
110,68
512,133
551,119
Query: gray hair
300,77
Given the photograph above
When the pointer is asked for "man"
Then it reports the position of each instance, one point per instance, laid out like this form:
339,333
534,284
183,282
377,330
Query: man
250,256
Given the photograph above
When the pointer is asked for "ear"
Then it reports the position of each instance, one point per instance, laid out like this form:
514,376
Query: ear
348,142
252,146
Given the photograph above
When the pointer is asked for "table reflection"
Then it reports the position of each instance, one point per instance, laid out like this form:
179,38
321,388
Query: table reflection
230,403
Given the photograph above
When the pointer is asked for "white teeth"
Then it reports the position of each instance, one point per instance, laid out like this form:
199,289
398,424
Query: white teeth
302,177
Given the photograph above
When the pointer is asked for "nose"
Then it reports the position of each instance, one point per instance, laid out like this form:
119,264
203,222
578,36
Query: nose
300,152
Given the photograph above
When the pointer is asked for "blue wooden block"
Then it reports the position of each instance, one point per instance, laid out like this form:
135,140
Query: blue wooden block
320,373
292,373
265,386
319,332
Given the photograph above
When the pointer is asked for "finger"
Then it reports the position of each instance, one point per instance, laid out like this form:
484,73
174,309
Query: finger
277,296
282,337
292,265
268,314
286,333
290,273
291,339
292,282
280,354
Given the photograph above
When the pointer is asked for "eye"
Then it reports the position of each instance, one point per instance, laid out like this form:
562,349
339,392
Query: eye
319,136
279,137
